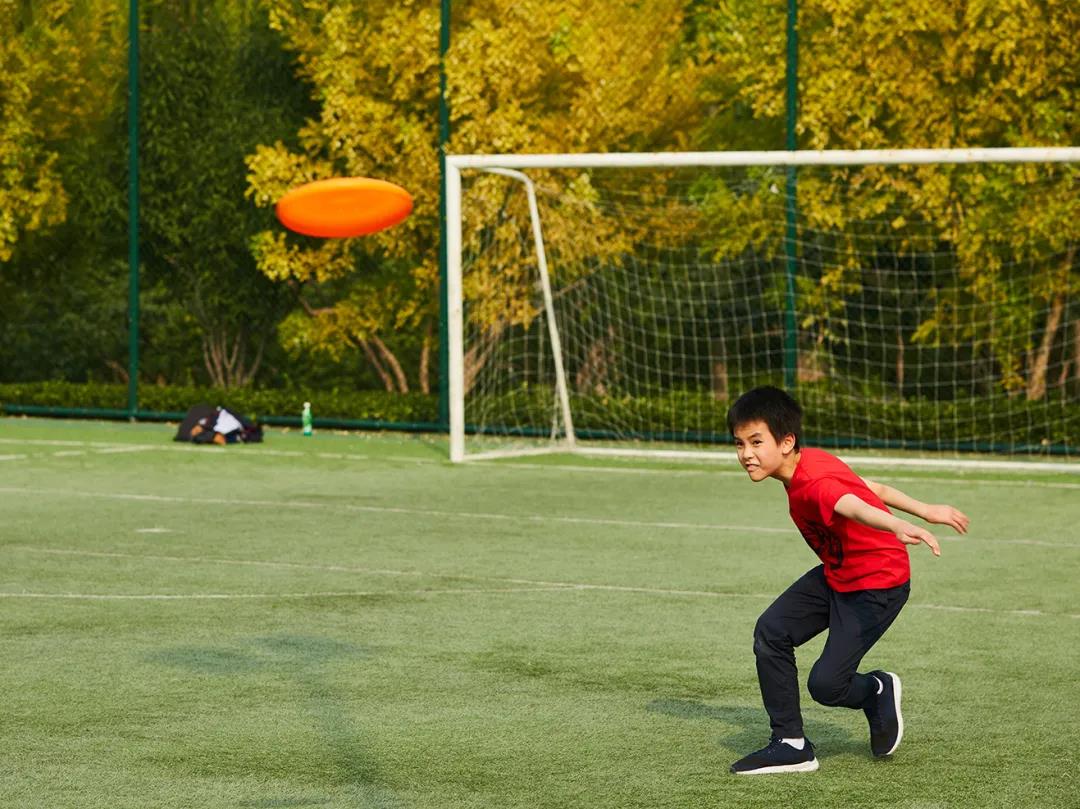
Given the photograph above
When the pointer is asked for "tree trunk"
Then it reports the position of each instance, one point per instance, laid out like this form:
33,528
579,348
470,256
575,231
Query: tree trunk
392,362
720,381
425,360
1076,354
479,353
253,368
226,360
1062,381
592,377
373,358
900,360
118,369
1036,387
813,365
211,361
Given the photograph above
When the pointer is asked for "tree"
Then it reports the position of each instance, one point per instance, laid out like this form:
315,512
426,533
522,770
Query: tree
920,73
215,81
62,187
537,76
57,76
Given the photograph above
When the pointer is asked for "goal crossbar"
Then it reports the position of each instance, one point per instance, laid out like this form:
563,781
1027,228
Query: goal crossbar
510,165
828,157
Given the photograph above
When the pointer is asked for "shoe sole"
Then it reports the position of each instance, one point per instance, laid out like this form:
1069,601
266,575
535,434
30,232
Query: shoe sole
899,717
802,766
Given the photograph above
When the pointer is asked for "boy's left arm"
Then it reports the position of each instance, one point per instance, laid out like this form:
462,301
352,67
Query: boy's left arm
855,508
938,513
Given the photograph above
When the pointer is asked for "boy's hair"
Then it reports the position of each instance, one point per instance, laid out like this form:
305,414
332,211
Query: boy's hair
781,413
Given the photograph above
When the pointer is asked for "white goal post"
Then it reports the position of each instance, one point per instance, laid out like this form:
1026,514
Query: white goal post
558,433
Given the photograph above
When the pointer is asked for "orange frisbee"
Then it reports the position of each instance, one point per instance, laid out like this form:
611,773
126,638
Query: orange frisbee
343,207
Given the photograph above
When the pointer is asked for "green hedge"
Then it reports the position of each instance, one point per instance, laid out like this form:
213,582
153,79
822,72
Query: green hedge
833,417
368,406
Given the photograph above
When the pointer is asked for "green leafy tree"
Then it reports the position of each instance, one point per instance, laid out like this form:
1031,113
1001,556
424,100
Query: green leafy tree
215,81
916,73
57,75
537,76
62,227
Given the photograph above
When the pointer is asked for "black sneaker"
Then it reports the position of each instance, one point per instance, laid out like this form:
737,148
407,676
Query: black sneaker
777,757
883,713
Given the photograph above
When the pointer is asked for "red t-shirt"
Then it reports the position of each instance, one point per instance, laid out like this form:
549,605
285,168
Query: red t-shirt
856,556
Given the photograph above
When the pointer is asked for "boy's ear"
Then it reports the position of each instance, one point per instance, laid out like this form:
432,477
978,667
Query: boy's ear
788,443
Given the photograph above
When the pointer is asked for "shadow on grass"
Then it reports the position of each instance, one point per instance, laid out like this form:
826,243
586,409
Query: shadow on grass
747,728
277,653
299,659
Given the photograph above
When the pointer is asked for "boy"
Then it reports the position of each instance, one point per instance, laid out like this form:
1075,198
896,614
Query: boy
856,593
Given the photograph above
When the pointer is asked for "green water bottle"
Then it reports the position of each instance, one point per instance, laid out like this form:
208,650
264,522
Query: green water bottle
305,418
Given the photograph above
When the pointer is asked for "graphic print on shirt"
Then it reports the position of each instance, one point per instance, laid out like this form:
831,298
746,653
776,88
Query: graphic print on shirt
855,556
824,542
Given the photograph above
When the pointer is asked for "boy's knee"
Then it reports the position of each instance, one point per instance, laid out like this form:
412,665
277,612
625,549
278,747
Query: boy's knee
770,633
825,687
763,628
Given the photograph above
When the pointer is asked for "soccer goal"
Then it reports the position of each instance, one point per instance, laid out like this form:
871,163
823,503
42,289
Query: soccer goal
918,300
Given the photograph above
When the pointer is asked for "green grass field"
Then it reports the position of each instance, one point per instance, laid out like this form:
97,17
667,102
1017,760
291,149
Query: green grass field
347,621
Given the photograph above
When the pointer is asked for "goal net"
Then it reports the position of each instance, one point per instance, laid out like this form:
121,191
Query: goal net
922,300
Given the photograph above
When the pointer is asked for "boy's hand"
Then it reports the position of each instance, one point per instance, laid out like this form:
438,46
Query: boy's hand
947,515
912,535
854,508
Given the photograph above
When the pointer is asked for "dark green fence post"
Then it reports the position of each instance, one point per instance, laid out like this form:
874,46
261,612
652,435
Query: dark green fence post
791,205
133,208
444,304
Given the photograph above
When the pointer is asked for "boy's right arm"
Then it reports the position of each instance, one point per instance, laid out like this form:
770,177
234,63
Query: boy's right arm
939,513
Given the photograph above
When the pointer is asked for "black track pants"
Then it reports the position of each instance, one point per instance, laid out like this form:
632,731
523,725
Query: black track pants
855,622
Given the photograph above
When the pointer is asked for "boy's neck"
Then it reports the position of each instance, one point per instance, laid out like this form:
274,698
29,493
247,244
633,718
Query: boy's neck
787,469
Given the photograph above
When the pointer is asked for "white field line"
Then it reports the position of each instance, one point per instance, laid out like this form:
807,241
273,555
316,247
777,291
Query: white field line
470,515
244,562
961,480
951,538
974,482
102,447
575,469
953,465
50,442
522,585
57,442
726,455
955,481
106,448
249,596
1022,613
613,470
962,467
1038,543
559,585
479,515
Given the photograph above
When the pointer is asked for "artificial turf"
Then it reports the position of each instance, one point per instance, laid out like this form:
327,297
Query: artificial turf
343,621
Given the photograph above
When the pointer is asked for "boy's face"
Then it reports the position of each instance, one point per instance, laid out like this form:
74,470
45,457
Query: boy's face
760,454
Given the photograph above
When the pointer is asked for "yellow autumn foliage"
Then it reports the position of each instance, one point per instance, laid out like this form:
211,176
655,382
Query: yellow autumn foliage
877,74
536,76
59,63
